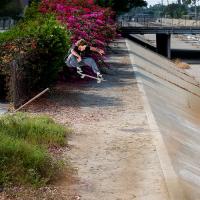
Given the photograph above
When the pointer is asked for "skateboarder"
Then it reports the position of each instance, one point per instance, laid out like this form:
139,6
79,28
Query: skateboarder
80,56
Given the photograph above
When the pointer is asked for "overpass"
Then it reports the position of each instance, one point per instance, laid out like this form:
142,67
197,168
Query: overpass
163,30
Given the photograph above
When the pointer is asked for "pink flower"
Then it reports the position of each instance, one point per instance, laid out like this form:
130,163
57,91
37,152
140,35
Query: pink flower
84,19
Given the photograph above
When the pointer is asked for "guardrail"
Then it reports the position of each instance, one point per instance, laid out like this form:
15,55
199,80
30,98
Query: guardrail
158,22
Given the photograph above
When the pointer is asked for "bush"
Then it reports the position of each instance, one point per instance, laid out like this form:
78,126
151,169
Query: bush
84,19
24,140
38,46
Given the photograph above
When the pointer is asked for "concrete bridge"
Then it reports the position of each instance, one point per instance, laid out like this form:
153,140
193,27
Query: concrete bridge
163,30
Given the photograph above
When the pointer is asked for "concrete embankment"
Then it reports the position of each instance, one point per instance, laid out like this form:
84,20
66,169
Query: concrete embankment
174,99
3,108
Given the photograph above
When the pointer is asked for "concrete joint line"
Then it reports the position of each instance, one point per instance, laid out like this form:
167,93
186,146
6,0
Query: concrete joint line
172,182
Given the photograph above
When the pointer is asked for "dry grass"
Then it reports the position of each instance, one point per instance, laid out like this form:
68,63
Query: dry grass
182,65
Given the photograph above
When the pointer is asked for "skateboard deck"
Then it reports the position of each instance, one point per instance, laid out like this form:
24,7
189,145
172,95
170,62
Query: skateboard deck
99,80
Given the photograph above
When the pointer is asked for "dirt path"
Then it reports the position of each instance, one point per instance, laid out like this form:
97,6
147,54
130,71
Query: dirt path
112,146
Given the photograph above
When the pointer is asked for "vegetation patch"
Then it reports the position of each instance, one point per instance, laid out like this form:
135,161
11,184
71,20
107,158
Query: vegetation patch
84,19
29,53
24,144
180,64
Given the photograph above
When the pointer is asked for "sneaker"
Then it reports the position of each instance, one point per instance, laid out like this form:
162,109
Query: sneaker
79,70
99,76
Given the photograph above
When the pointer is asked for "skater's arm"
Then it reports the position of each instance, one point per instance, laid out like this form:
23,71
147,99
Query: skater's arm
100,51
73,52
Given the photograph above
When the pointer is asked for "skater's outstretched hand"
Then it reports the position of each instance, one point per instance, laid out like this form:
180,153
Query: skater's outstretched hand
79,59
101,52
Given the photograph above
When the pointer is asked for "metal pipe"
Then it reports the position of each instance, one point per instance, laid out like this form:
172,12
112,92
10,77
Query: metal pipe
31,100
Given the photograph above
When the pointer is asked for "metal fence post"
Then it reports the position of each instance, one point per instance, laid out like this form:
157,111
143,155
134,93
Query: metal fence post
185,20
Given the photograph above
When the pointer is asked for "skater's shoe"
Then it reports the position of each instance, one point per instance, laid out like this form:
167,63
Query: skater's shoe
79,70
99,76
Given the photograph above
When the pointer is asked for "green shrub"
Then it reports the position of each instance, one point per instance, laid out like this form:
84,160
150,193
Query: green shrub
32,10
24,142
38,45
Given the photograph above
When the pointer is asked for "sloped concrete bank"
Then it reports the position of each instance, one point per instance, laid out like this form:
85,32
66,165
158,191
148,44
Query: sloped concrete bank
173,96
3,108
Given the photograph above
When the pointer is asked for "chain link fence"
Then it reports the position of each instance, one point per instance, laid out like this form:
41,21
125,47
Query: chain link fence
6,23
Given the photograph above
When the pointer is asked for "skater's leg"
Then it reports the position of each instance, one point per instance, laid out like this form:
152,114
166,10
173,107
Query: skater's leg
73,62
91,63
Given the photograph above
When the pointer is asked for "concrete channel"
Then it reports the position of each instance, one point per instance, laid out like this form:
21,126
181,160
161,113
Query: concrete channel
3,108
174,99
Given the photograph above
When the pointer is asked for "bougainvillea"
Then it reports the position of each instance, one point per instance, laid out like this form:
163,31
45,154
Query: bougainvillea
84,19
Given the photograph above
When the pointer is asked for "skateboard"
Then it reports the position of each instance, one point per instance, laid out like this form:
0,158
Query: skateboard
99,80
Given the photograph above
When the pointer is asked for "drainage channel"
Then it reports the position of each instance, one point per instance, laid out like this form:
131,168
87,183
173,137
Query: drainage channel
176,109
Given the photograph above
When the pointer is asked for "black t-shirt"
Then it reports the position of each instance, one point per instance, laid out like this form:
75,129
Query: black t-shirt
83,54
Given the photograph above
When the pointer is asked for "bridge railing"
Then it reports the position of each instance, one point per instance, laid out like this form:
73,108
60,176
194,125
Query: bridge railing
6,23
158,22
